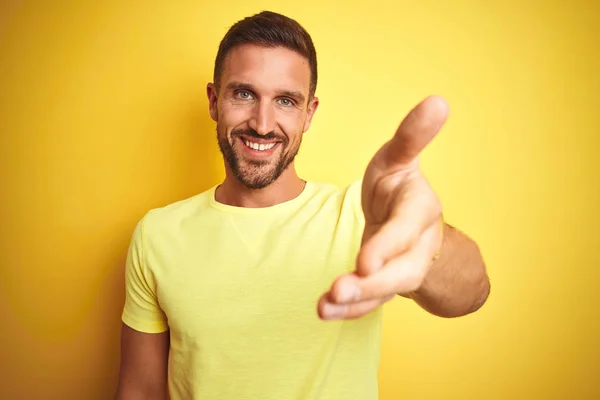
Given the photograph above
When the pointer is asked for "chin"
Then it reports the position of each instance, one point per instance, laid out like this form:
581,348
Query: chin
257,182
253,179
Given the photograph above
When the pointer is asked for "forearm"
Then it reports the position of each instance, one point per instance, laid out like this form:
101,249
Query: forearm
456,283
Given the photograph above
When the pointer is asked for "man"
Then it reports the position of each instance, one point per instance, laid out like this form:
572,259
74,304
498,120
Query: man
267,286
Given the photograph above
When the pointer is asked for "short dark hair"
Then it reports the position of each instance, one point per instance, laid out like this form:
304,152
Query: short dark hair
269,29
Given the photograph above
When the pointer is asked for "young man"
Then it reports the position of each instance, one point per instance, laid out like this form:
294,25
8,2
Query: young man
267,286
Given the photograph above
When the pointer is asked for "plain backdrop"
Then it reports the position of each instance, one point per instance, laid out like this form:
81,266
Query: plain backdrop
103,116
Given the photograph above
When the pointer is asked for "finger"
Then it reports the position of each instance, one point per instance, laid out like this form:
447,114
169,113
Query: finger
403,274
332,311
345,289
417,129
400,234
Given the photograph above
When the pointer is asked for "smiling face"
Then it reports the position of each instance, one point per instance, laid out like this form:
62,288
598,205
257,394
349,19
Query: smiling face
262,108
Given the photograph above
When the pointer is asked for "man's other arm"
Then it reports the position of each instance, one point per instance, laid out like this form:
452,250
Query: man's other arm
144,361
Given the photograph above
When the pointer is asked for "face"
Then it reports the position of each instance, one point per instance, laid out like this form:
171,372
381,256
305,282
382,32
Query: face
262,109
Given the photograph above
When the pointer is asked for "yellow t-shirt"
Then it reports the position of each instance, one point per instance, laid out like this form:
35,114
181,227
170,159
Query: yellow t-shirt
238,290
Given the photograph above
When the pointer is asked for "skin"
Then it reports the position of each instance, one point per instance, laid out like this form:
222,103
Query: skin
264,91
144,361
403,233
264,98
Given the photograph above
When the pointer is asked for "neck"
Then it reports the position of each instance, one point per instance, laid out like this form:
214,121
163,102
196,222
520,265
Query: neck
287,187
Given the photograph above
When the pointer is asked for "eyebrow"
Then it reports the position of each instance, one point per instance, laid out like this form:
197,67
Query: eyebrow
298,96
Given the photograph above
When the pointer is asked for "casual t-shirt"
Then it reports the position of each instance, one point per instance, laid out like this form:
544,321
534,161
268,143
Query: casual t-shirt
238,289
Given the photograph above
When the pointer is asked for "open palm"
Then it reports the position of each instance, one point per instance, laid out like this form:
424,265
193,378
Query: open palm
402,220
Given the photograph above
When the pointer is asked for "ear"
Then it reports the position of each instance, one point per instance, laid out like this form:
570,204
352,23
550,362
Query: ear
312,108
211,92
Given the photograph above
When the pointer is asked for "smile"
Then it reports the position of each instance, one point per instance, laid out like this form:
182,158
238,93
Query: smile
259,146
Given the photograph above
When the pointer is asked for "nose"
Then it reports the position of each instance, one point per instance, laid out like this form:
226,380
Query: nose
263,118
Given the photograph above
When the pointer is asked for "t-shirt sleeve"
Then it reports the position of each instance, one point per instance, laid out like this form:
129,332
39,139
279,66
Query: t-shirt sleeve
354,200
352,219
142,311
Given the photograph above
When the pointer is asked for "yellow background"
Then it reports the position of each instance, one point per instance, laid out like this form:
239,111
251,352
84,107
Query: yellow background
103,116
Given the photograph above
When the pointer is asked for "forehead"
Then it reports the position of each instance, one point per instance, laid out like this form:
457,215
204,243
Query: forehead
267,68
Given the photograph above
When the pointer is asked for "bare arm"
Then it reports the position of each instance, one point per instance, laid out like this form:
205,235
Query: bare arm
144,361
457,283
402,234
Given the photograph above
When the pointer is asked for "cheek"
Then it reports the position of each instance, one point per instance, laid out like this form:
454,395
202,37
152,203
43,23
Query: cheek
292,124
233,117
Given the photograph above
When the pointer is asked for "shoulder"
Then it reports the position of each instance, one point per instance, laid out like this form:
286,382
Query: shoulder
352,189
330,189
343,197
171,216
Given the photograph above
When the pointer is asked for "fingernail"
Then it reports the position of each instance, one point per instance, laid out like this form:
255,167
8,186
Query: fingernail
349,293
334,311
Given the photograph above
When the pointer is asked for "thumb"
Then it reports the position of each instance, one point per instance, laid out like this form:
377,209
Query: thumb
417,129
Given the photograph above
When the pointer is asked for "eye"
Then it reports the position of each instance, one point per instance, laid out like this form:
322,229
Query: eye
286,102
244,95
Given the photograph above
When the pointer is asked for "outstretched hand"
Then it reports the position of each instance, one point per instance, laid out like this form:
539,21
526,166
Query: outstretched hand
403,222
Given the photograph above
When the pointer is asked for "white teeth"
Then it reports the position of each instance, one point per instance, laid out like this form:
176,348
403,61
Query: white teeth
259,147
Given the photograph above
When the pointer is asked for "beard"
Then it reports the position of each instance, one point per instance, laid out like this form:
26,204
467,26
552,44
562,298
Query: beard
255,174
